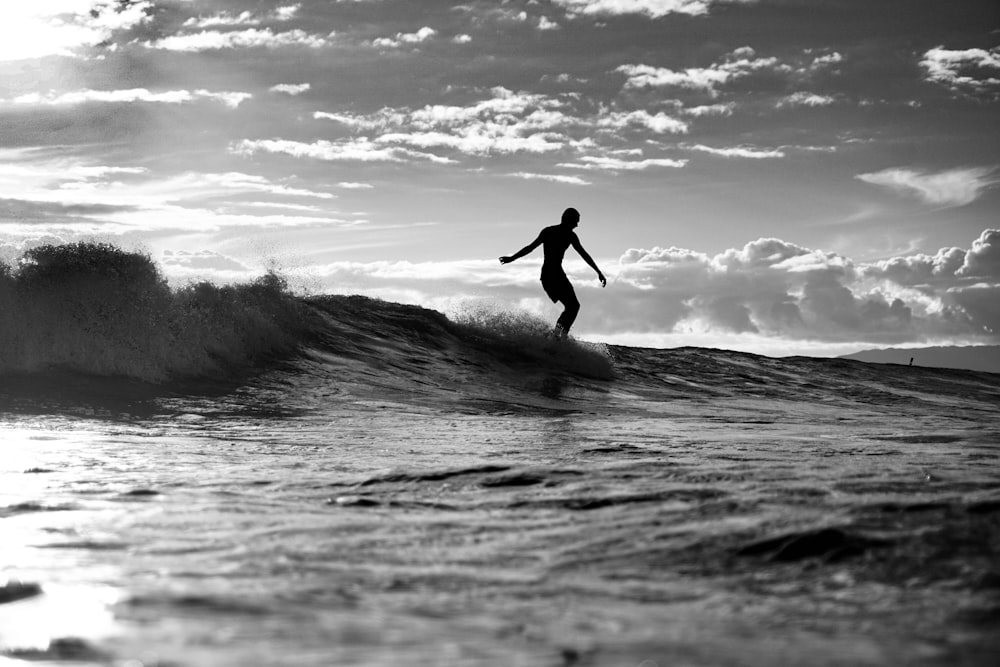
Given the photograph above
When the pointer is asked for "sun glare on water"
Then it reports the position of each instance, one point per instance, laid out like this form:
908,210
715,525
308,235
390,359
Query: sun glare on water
63,608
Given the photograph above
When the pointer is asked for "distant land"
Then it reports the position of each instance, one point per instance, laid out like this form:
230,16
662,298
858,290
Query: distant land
975,358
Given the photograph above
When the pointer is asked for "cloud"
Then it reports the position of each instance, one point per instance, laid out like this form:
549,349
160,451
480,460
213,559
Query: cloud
739,151
832,58
919,270
199,261
972,70
650,8
738,64
608,163
710,110
290,88
659,123
544,23
361,149
954,187
64,27
555,178
480,139
958,287
402,39
779,289
230,99
983,259
213,40
116,198
285,13
706,78
806,99
508,123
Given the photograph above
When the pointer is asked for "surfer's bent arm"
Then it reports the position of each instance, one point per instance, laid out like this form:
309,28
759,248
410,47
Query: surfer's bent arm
522,252
589,260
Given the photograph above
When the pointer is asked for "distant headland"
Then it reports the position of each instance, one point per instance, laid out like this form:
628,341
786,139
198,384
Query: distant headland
972,357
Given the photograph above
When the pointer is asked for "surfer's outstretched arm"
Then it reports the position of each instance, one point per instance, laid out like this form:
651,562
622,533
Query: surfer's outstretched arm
506,259
589,260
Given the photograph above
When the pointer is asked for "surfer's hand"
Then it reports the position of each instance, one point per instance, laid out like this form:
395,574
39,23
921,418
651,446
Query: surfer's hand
506,260
604,281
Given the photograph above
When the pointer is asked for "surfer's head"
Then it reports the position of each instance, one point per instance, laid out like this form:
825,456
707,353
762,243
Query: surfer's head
571,217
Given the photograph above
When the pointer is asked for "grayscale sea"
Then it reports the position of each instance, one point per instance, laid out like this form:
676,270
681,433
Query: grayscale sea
388,486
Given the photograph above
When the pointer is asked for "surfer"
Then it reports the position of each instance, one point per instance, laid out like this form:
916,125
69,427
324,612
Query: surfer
554,241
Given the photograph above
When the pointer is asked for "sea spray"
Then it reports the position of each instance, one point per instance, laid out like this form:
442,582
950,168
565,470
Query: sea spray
528,335
96,309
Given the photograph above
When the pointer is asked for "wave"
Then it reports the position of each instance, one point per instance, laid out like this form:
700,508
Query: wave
95,311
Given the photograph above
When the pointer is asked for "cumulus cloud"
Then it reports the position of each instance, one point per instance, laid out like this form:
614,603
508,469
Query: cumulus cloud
827,60
740,63
243,18
957,286
768,289
402,39
214,40
707,78
973,70
710,110
983,259
659,123
805,99
953,187
510,122
650,8
778,289
290,88
480,139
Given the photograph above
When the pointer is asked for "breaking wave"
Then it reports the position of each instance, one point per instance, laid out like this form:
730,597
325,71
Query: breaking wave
94,310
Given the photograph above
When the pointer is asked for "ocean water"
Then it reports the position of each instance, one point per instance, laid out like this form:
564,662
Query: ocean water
242,477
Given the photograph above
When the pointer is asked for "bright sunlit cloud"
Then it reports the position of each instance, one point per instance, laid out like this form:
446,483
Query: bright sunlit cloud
61,27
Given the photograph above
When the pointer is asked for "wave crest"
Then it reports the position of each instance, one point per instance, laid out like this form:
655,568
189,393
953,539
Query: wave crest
96,309
531,336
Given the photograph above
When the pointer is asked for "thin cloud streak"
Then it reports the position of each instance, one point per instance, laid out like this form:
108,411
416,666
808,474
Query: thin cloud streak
954,187
739,151
230,99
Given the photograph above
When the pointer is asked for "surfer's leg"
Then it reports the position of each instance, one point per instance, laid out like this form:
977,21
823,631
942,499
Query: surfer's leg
568,316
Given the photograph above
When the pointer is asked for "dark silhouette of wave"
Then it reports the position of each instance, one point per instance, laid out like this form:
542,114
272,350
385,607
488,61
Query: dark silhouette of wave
86,318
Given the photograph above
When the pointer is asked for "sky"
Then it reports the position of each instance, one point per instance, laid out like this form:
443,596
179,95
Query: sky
774,176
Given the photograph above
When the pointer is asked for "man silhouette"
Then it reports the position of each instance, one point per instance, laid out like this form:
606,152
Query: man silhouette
554,241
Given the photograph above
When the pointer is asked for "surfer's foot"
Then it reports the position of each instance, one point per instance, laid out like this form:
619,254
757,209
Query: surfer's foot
559,333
